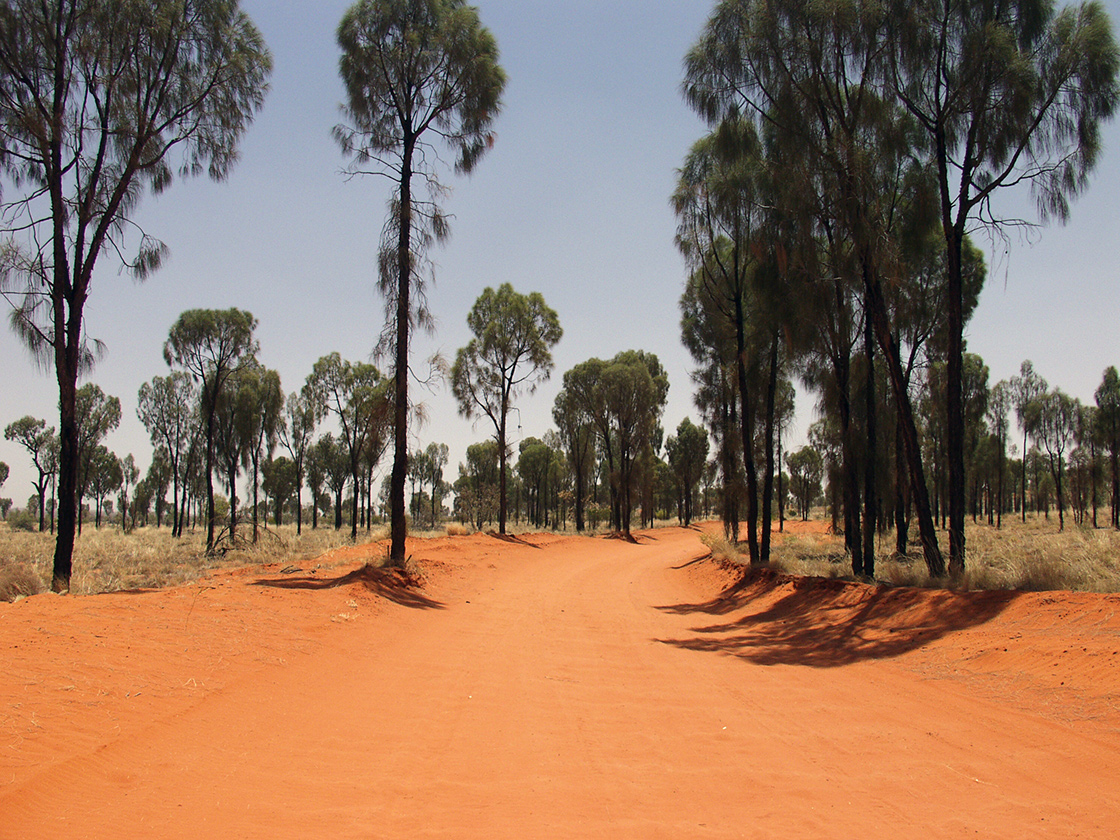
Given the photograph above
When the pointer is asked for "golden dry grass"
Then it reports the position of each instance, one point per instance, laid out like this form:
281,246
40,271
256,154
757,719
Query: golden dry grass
108,560
1030,556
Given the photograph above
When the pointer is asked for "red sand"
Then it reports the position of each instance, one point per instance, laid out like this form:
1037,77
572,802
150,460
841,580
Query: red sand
558,687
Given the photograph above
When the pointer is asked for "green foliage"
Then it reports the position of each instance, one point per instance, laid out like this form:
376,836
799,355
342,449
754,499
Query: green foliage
510,352
688,453
360,400
210,344
21,520
420,76
102,101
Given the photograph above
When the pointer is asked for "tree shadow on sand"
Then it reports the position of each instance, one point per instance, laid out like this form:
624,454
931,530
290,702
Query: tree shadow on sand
391,584
826,623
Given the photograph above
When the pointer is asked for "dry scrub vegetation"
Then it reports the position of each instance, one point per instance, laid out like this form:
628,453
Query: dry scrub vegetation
108,560
1031,556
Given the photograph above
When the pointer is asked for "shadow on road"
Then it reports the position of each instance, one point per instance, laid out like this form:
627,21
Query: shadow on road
775,619
391,584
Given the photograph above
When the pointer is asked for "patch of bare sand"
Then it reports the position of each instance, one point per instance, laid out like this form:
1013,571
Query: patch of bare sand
552,686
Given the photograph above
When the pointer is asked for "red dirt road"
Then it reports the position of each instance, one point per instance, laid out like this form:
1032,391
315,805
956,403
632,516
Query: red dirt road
558,687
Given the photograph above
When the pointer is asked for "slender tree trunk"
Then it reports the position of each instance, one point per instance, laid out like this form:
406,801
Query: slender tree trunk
210,476
927,529
502,464
901,489
768,475
869,484
746,431
398,526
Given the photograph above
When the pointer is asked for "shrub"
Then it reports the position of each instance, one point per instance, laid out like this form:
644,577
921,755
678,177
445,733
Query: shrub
17,581
23,520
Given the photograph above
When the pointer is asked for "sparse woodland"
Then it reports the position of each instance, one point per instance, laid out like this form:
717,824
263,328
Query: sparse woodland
826,221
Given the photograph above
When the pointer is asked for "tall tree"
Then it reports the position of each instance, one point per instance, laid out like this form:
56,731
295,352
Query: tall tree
722,214
1000,401
1055,427
96,414
510,352
577,433
357,395
34,436
632,391
1006,93
297,425
435,459
1108,425
210,345
687,453
420,75
101,101
167,406
839,159
1026,388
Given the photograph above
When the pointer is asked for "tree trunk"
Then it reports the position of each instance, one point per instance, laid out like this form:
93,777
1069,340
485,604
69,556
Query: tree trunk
768,474
746,432
502,466
927,529
869,484
398,525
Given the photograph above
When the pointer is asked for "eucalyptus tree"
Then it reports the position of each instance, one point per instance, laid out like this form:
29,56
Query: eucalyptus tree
1026,388
333,459
279,484
260,401
577,435
510,352
359,399
1108,424
806,468
722,212
38,439
1000,400
297,426
168,406
534,465
210,344
435,459
1007,94
687,452
421,77
632,390
316,468
1055,426
248,419
96,414
100,102
840,158
104,475
130,474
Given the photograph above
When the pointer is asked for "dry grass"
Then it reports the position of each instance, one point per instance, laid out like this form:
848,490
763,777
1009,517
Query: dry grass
1032,556
108,560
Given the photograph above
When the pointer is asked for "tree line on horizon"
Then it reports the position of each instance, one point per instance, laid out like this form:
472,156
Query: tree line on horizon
223,432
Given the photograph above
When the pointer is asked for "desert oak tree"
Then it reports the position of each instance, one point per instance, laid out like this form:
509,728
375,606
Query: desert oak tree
100,101
420,75
510,351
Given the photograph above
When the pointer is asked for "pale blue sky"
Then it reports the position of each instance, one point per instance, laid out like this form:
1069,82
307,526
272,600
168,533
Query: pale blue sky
573,201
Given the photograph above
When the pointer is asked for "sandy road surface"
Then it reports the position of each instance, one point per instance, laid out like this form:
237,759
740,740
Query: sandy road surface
556,688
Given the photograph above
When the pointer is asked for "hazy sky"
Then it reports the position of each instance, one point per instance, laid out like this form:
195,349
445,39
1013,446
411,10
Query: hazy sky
573,202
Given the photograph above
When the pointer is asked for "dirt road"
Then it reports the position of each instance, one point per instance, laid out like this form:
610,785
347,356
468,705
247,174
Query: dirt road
557,688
